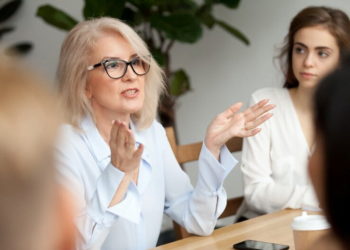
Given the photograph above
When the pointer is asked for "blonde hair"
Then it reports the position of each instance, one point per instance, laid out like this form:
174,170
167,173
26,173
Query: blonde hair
72,70
29,123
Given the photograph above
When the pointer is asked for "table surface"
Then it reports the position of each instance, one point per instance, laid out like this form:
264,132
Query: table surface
274,227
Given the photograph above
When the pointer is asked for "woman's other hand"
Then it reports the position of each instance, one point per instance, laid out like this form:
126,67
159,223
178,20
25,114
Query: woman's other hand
124,155
230,124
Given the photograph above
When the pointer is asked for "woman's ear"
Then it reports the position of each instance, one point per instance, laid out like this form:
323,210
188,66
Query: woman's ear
88,91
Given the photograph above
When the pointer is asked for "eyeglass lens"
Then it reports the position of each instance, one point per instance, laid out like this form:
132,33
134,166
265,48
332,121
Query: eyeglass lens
117,68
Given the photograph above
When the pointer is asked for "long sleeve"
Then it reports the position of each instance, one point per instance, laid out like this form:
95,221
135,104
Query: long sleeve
269,177
197,209
84,167
93,218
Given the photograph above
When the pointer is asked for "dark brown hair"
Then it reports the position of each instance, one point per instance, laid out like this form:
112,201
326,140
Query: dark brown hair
334,20
332,122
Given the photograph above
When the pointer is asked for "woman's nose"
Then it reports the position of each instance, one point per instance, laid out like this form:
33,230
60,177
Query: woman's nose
129,74
309,60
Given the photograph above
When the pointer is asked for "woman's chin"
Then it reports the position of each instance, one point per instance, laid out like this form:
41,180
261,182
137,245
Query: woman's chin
308,84
133,110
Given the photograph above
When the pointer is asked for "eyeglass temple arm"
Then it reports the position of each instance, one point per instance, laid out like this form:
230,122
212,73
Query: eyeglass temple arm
94,66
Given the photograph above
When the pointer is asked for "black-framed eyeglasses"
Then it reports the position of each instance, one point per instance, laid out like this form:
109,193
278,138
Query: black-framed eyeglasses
116,68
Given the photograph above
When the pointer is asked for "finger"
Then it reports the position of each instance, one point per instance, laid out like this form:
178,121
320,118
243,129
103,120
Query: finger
257,113
130,143
258,122
130,139
228,113
255,107
114,132
139,151
250,133
121,136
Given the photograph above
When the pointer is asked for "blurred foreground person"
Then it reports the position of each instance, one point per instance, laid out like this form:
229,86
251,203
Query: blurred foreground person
329,165
34,210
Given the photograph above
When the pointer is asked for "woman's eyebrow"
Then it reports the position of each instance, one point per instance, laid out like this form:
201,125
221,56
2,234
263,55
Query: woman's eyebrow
300,44
111,57
118,58
317,48
323,48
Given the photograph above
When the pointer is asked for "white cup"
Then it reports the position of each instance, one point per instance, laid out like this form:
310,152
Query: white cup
307,229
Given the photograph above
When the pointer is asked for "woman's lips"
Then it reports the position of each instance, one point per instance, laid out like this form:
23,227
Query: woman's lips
307,75
130,93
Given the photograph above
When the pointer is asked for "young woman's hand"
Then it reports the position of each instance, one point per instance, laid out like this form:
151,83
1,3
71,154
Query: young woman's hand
232,124
124,155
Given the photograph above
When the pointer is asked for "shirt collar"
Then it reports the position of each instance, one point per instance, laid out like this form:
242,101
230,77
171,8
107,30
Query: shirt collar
139,137
99,147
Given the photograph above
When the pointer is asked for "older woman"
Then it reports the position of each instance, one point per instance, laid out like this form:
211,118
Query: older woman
116,158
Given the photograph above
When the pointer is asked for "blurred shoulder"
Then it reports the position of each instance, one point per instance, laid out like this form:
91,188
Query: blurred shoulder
70,136
70,131
155,128
269,93
275,95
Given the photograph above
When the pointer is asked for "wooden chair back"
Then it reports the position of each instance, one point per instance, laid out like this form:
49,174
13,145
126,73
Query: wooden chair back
190,152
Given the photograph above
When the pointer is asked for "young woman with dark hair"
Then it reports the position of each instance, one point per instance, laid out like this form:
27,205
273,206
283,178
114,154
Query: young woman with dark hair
274,163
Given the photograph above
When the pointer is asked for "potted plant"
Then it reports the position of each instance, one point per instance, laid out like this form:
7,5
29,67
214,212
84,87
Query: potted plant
6,12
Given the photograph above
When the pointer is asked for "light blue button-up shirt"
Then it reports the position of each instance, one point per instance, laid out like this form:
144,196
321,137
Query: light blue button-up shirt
84,167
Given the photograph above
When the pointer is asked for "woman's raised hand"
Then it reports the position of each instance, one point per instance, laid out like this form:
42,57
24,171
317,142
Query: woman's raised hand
230,124
124,155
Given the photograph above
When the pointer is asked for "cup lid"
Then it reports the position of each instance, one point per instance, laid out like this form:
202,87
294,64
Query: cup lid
307,222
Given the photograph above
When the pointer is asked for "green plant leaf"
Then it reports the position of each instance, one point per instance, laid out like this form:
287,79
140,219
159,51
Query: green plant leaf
9,9
131,17
150,3
205,16
5,30
19,49
233,31
99,8
181,7
181,27
232,4
159,57
180,83
56,17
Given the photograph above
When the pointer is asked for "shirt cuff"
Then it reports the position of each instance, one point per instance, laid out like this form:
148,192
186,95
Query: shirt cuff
107,185
211,172
130,207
